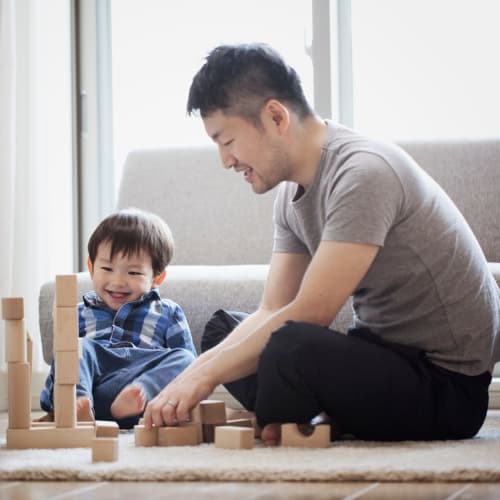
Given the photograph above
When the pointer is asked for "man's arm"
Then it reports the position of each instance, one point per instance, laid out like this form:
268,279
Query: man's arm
331,277
283,281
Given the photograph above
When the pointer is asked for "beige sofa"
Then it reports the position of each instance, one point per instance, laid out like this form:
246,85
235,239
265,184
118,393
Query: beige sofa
223,231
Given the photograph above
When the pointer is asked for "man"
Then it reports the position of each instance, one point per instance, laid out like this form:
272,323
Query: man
352,217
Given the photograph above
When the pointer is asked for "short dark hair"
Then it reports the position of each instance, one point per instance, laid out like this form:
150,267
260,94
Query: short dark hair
241,79
131,231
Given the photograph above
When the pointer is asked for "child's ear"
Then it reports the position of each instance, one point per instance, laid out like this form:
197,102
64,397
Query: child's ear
160,278
90,267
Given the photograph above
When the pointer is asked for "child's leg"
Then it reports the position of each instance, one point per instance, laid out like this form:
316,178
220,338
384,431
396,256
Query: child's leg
88,363
153,370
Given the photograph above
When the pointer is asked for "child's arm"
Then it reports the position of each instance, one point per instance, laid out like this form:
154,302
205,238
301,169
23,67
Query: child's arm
178,333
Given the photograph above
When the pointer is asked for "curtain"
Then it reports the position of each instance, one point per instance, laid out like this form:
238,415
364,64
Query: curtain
35,155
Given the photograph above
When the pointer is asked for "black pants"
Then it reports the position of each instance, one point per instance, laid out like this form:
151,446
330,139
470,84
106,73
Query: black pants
370,388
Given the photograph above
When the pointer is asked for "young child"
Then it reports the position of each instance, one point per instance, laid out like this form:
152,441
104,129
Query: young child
134,342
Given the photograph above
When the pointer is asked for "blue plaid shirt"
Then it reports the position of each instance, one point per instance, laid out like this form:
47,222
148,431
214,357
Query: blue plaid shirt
150,322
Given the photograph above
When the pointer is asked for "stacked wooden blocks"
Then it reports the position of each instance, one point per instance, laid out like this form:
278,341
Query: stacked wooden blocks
208,424
18,366
65,431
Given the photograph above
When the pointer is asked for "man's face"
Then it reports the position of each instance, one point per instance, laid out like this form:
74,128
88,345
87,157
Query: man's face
257,152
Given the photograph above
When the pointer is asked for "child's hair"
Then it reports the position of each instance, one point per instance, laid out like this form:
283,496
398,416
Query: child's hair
131,231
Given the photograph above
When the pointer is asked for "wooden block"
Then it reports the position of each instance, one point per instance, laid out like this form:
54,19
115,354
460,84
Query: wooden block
178,436
12,308
208,432
144,437
67,367
66,290
19,395
106,428
50,437
246,422
199,429
291,436
65,405
105,449
66,329
16,341
29,351
209,411
240,438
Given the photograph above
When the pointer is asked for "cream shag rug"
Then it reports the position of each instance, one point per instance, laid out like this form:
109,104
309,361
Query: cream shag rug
476,459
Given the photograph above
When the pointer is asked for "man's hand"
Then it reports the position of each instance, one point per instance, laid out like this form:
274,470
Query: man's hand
175,402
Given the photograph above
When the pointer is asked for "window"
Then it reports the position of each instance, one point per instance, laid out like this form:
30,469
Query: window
426,69
158,46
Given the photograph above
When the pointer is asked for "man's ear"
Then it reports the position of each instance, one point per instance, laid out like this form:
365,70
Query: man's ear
90,267
277,114
160,278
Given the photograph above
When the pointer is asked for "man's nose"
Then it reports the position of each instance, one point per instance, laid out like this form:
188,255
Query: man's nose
228,160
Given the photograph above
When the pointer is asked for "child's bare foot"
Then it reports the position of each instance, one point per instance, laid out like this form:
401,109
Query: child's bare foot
130,402
84,411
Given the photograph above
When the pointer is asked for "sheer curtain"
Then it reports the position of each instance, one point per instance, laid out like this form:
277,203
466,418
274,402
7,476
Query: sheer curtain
35,158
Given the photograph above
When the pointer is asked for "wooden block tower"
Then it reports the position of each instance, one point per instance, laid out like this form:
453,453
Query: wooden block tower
18,366
66,356
65,432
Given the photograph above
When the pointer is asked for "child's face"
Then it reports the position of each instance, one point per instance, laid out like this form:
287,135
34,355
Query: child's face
123,279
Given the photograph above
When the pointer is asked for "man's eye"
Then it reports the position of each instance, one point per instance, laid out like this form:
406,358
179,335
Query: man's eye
228,142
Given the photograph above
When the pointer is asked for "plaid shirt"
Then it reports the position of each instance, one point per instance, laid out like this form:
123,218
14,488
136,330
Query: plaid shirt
150,322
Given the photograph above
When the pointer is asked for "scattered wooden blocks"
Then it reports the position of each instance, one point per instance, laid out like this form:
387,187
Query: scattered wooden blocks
234,437
145,437
209,411
178,436
105,449
291,436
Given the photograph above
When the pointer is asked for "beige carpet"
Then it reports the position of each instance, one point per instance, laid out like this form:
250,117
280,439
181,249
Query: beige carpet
476,459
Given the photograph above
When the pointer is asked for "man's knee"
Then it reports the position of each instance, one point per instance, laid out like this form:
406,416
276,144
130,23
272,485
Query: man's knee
219,326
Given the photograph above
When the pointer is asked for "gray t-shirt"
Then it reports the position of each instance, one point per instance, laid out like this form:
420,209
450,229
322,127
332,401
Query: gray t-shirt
429,285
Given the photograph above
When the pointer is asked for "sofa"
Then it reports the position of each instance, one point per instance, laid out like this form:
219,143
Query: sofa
223,231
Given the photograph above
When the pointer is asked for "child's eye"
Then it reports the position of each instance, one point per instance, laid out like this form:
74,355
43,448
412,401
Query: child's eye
135,273
105,268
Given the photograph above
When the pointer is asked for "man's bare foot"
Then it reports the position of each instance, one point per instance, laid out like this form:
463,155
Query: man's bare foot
84,411
271,434
48,417
130,402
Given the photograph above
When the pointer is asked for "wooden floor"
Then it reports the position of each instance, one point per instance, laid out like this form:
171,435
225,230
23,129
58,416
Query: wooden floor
27,490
